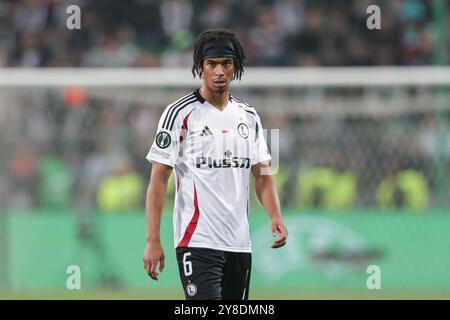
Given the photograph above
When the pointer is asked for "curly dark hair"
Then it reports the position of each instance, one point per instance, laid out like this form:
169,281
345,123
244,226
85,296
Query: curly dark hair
218,34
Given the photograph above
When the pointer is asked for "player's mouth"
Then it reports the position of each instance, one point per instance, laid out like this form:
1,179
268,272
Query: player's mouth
220,83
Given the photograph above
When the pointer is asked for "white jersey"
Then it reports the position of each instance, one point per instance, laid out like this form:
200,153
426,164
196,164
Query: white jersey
212,152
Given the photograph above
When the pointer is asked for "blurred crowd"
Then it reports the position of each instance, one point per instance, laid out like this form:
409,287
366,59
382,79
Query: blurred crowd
156,33
69,146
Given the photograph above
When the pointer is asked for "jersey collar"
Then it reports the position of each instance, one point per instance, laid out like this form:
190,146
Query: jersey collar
199,96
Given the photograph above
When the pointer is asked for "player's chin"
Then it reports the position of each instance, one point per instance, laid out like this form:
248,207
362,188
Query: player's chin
221,90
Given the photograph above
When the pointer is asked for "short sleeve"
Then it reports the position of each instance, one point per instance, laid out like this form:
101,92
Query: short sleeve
166,146
260,150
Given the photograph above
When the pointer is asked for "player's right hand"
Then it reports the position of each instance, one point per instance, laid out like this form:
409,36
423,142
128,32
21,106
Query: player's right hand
279,229
154,254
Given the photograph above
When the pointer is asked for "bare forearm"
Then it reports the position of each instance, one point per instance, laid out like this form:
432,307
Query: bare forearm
156,196
267,195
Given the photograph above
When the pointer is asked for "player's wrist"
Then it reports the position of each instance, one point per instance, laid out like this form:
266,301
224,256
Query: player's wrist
153,239
277,216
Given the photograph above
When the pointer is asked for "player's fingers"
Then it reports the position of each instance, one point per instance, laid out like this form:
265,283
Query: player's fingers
145,263
153,273
276,245
148,267
283,231
279,243
280,240
161,263
274,229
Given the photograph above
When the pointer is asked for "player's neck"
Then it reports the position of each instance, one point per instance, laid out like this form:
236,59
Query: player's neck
217,99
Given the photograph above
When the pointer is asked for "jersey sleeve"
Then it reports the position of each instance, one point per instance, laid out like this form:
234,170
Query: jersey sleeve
166,145
260,150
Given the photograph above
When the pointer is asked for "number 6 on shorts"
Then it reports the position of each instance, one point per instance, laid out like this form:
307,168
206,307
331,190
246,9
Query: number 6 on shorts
187,265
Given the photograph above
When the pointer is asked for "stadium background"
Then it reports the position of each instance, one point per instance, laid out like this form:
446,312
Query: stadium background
364,168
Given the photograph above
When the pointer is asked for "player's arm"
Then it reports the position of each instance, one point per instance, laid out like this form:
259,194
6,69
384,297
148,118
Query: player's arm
268,196
154,204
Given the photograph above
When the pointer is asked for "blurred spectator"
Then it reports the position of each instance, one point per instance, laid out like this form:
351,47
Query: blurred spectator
216,15
122,189
430,141
176,16
290,14
55,183
405,189
23,174
267,38
30,16
114,50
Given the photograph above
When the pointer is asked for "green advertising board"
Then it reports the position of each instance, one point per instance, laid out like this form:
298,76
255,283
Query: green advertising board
328,252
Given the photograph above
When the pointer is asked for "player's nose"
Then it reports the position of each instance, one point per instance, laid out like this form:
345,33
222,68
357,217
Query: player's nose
218,71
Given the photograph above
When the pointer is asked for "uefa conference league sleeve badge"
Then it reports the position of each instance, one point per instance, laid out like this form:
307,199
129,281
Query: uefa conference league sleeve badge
163,139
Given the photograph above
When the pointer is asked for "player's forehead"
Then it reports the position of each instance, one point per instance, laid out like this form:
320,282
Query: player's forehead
218,60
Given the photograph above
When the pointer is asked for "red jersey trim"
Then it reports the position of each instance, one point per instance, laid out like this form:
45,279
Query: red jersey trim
192,225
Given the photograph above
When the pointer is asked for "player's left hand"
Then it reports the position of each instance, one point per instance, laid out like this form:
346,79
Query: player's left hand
279,229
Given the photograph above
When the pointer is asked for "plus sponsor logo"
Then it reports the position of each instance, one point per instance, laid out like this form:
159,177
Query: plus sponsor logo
229,162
